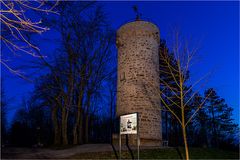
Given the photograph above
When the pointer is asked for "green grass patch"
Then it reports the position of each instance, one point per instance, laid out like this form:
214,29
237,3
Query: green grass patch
164,153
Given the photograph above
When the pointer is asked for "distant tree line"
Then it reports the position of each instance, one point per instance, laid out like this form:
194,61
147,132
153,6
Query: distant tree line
3,114
74,101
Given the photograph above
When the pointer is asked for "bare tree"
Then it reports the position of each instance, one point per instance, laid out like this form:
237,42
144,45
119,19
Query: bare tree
89,43
180,97
48,92
17,23
66,81
80,68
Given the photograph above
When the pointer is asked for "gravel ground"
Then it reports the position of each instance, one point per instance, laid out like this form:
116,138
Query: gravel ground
45,153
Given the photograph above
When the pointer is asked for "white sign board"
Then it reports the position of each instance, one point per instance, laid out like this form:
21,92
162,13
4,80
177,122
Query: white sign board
128,124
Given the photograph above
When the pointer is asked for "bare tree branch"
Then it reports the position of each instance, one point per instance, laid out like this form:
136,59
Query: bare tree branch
16,24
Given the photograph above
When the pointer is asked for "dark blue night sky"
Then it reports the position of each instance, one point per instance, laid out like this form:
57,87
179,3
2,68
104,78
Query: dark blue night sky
214,24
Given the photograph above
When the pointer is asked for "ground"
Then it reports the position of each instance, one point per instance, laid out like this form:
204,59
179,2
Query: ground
104,151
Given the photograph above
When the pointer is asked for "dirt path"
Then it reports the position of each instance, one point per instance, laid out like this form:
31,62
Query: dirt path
44,153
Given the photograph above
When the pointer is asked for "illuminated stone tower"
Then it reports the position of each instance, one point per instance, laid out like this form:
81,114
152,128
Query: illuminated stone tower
138,78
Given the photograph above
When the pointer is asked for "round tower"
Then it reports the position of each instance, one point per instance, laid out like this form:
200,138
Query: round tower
138,78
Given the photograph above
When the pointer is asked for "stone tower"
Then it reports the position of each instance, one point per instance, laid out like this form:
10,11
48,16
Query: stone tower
138,78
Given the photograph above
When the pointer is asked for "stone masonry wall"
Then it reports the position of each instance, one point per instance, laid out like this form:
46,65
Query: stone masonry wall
138,78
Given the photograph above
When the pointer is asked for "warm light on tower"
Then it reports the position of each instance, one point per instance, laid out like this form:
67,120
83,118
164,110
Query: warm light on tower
138,78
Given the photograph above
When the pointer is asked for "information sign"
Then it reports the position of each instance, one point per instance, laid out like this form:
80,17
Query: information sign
128,124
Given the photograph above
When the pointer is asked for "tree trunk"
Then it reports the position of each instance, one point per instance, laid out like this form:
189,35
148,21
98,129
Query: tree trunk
184,131
75,135
80,129
87,116
64,135
55,126
64,127
86,128
183,119
185,142
77,125
75,128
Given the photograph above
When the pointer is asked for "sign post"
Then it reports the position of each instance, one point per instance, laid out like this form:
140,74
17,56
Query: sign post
129,124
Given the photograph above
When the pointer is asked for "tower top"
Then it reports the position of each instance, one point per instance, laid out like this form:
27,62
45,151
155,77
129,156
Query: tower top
138,14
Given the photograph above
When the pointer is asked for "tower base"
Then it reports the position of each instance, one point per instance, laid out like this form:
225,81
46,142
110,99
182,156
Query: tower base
132,141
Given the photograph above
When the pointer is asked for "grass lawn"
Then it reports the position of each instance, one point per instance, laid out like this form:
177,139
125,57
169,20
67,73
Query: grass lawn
165,153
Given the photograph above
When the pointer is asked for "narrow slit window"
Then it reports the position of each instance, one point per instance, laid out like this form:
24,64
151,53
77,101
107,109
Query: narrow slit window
122,77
